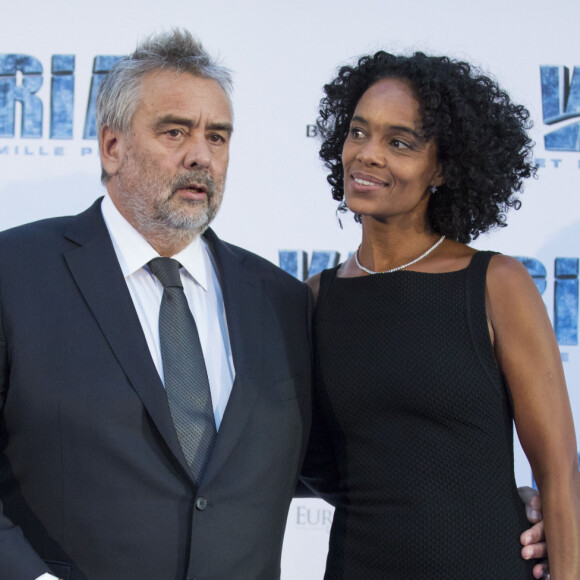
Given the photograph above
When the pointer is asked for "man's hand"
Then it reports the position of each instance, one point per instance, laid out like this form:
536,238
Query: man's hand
533,541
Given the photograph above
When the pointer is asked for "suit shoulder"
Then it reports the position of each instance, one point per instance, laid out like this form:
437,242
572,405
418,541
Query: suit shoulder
34,230
49,229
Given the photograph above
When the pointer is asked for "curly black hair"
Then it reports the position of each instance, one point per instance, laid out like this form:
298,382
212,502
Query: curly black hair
480,135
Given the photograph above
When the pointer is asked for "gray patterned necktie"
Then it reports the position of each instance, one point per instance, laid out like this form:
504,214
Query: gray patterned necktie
184,369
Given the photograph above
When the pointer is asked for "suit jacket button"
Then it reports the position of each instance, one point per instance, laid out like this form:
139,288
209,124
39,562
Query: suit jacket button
201,503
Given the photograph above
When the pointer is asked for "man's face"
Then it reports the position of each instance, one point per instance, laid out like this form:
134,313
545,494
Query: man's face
168,173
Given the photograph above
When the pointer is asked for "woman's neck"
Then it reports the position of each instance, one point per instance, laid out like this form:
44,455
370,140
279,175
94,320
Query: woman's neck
387,246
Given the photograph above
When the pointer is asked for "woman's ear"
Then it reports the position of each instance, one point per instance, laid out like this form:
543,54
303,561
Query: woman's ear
438,180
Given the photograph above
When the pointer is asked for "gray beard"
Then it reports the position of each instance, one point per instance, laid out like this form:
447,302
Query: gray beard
161,222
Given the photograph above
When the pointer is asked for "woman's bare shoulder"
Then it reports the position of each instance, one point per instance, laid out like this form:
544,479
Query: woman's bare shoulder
505,272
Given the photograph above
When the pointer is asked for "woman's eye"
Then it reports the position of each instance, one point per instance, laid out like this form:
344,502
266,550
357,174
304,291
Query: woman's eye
398,144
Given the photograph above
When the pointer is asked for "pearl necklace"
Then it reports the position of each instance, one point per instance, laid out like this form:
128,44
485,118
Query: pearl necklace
433,247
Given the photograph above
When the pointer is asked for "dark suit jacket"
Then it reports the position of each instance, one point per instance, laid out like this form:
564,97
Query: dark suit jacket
92,477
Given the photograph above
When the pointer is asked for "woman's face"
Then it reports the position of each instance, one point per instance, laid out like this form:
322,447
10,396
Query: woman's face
388,165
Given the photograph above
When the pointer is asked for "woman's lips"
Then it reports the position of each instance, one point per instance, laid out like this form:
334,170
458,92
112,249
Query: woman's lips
364,182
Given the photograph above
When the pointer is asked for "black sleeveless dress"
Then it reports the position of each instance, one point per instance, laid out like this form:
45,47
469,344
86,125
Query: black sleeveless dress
420,426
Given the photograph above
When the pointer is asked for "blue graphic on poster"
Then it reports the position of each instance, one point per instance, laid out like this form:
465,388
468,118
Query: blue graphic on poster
22,76
561,102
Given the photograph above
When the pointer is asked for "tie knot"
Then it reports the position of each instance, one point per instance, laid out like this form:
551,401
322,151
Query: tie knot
167,272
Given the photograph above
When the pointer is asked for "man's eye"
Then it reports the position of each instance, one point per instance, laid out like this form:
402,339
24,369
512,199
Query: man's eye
174,132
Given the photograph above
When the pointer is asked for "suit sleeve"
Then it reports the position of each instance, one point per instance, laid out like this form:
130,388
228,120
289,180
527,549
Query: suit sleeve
17,557
320,470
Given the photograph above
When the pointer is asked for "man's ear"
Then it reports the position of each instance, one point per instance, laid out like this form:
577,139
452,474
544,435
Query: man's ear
111,147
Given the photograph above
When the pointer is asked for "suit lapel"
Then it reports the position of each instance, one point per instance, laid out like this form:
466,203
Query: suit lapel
95,268
242,294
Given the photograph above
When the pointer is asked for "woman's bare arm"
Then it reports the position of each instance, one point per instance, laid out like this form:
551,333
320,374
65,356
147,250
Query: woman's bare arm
529,357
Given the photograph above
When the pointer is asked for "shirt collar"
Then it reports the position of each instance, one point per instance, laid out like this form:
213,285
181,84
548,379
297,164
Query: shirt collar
134,251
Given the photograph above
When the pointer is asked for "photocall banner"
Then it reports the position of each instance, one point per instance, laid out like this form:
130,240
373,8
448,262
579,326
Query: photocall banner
53,56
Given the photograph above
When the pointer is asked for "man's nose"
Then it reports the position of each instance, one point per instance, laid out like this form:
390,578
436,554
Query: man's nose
198,153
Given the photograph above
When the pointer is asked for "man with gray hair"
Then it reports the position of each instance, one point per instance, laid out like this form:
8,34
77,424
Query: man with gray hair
155,381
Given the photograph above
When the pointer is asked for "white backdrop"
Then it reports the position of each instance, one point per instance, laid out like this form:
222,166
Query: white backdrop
277,197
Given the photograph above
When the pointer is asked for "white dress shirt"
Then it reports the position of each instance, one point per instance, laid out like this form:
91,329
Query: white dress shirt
203,292
204,296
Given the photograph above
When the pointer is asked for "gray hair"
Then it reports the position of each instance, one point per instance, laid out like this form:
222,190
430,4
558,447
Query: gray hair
176,50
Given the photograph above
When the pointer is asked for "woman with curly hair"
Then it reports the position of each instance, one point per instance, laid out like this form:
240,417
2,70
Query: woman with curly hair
427,350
